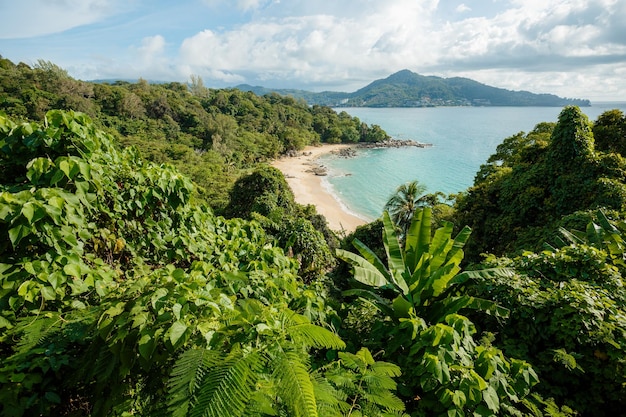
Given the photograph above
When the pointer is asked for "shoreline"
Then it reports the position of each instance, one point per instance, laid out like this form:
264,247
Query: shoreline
309,188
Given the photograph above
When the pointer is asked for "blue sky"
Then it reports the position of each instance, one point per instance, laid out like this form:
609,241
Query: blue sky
573,48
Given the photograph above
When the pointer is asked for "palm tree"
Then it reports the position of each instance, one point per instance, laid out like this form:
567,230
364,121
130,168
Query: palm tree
403,203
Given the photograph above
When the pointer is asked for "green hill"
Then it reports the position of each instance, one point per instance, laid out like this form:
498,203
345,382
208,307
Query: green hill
408,89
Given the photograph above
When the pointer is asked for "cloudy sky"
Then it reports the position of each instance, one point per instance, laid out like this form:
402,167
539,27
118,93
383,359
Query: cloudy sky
573,48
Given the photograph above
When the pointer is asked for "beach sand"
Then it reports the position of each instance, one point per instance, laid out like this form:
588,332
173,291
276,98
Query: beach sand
308,189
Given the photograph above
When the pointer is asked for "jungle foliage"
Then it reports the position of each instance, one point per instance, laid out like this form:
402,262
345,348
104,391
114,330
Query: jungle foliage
568,315
446,370
536,180
212,135
121,296
122,292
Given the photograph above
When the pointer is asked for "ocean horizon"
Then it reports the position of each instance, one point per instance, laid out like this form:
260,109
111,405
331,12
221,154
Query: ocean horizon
462,139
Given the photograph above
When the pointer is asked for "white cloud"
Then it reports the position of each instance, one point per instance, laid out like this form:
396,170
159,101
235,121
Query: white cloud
151,49
541,43
52,16
243,5
463,8
563,46
318,47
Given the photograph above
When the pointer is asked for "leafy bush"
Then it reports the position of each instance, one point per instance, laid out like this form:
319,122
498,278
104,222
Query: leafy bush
445,371
120,296
568,316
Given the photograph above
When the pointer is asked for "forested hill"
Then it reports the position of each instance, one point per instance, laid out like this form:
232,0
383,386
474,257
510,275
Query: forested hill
408,89
211,135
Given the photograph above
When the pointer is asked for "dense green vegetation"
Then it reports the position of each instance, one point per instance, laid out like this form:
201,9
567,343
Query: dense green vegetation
568,318
540,180
408,89
213,136
550,205
421,327
121,296
178,276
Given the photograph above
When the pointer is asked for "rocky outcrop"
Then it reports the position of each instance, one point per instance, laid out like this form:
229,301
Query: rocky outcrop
393,143
345,152
318,170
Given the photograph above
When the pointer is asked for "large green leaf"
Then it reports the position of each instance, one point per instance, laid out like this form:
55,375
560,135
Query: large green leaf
441,245
177,332
364,272
370,256
395,256
434,284
482,274
461,239
418,238
450,305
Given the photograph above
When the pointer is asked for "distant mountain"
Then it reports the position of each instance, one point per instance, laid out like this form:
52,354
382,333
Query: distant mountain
408,89
325,98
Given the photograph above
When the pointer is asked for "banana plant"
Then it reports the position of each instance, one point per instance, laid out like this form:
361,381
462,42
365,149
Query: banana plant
424,275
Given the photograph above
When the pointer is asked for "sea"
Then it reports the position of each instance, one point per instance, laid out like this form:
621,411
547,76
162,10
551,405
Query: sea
462,139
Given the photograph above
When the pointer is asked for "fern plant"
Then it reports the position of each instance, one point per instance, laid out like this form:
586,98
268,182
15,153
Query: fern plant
368,385
273,369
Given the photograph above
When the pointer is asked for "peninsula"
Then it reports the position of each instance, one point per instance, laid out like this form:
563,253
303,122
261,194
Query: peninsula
408,89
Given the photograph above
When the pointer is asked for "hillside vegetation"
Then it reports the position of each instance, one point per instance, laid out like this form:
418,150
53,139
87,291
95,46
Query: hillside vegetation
213,136
128,289
408,89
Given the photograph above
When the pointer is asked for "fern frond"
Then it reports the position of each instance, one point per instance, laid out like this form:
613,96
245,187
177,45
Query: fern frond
343,379
296,388
384,399
330,401
187,373
352,361
262,402
387,369
228,385
376,381
208,383
312,335
51,327
36,331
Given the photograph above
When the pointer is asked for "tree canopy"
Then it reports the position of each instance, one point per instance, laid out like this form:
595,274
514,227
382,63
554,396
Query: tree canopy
212,135
536,179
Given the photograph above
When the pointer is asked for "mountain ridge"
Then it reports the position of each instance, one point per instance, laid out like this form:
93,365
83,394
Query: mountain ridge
408,89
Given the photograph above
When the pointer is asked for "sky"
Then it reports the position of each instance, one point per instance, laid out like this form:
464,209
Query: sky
572,48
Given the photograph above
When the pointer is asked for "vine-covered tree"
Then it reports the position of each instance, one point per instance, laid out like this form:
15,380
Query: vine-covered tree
568,316
534,180
609,132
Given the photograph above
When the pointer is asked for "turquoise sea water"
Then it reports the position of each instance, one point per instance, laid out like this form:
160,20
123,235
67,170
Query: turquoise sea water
462,138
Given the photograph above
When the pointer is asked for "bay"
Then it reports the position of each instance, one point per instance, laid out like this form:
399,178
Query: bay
462,139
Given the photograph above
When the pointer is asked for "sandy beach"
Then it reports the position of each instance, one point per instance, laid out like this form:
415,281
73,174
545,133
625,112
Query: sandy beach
308,189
